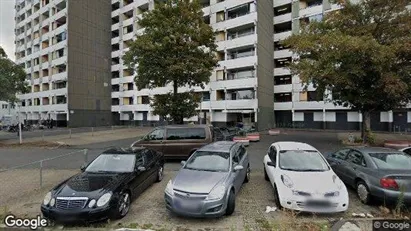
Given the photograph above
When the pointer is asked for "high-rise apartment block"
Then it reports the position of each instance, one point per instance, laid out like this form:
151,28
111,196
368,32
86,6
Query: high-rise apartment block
72,51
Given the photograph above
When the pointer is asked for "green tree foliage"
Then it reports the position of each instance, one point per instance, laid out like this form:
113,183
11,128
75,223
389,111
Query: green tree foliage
177,48
361,54
12,78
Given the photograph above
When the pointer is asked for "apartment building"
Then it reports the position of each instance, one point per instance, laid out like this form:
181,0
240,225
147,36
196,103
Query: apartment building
64,47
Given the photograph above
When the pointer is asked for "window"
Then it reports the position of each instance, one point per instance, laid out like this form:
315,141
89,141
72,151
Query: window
240,94
394,160
209,161
148,157
157,134
206,96
356,157
235,159
139,161
282,80
282,97
408,151
300,160
342,154
241,152
4,106
186,133
272,153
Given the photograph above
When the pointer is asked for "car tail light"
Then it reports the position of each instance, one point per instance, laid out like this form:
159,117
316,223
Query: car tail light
388,183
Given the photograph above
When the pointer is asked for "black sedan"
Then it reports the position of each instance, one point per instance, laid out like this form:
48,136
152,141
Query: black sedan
105,187
375,173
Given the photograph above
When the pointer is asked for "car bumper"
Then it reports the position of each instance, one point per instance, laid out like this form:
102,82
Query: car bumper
195,208
390,195
82,216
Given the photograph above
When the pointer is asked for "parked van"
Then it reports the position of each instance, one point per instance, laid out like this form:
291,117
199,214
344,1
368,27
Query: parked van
180,141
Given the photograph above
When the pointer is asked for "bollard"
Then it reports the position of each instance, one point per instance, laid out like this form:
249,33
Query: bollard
41,174
70,133
85,156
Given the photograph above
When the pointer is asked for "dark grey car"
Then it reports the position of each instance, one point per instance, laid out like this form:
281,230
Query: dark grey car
375,173
208,182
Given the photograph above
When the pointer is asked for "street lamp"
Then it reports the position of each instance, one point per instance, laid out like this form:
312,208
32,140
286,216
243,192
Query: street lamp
19,119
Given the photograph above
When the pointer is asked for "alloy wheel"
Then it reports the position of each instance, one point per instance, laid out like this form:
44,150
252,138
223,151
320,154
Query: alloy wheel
125,204
362,192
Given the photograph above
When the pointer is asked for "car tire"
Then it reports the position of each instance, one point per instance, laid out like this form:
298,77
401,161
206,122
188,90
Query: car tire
123,205
230,204
277,198
363,192
247,174
266,175
160,174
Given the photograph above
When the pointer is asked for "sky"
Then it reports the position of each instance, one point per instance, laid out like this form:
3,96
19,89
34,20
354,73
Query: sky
7,27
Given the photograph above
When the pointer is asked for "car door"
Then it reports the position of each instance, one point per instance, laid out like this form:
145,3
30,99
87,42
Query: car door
154,140
175,138
236,174
337,161
355,163
137,186
151,167
271,170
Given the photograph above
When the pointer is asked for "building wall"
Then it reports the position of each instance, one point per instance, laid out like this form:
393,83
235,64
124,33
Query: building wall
89,54
265,66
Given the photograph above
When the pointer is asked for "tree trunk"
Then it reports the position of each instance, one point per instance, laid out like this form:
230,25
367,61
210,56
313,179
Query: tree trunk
366,126
176,120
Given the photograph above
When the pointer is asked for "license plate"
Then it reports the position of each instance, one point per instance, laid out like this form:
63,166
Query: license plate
186,205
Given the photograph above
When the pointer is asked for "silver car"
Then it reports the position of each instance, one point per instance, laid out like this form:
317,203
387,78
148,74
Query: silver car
208,182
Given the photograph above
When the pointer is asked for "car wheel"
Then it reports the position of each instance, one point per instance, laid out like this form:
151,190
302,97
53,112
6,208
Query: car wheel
123,206
230,204
266,175
160,174
277,198
247,175
363,192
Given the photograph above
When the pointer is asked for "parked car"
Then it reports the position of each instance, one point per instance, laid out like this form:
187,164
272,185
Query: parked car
207,184
406,150
375,173
223,134
105,187
178,141
303,180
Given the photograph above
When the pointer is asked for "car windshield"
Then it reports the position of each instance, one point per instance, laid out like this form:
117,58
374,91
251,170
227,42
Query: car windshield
304,161
391,160
112,163
209,161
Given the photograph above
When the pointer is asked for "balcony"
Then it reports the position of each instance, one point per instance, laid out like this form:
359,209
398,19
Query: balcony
236,22
282,54
241,104
282,71
233,84
239,62
282,18
283,106
282,35
238,42
311,11
283,88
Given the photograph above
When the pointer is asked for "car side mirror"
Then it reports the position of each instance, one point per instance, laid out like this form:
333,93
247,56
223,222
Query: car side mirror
238,168
83,167
141,169
183,163
269,163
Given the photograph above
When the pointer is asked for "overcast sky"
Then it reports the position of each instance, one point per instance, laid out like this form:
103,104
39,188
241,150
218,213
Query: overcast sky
7,27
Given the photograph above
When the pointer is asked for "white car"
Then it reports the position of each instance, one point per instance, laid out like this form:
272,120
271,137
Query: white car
406,150
303,180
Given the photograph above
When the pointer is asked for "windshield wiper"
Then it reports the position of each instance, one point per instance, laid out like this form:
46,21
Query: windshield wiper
313,170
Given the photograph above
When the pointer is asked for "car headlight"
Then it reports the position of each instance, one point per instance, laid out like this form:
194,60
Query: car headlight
216,193
287,181
332,194
169,188
104,199
92,203
52,202
47,198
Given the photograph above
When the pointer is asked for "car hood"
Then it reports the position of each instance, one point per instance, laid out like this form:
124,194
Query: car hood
90,185
314,182
198,181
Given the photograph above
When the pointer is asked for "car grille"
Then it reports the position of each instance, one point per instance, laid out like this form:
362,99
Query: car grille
316,204
71,203
190,196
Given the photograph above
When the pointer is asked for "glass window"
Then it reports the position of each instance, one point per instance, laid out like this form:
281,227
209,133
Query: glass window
112,163
148,156
300,160
157,134
356,157
185,133
342,154
241,152
391,160
272,153
209,161
235,159
408,151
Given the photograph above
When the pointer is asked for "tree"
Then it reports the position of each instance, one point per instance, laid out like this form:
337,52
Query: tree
359,55
177,48
12,78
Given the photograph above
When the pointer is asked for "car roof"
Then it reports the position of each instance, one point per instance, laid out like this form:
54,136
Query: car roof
365,149
186,126
290,145
123,151
219,146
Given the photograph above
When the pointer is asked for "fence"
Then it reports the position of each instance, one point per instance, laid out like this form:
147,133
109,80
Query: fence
21,181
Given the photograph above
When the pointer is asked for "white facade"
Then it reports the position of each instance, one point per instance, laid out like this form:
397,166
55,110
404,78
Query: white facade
41,48
7,113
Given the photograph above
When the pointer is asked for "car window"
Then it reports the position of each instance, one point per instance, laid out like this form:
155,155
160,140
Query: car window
139,161
272,153
112,163
342,154
301,160
209,161
235,159
241,152
157,134
217,134
408,151
356,157
393,160
186,134
148,156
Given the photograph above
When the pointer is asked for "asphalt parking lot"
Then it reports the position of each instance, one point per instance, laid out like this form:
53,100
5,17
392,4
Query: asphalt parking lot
149,210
